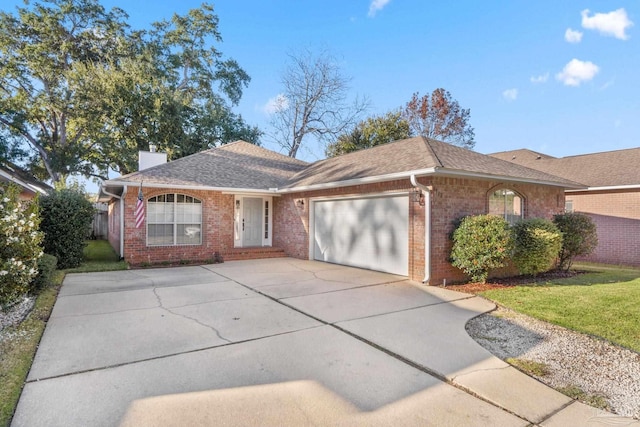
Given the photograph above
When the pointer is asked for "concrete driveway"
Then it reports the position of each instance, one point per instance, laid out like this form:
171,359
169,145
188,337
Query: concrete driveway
274,342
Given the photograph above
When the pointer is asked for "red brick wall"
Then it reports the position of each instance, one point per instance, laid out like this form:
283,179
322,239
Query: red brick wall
217,230
451,198
617,218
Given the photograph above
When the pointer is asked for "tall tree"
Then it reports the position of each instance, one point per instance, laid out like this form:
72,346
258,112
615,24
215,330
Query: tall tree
85,93
371,132
440,117
313,102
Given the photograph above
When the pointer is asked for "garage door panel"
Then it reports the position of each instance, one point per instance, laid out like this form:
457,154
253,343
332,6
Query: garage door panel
368,233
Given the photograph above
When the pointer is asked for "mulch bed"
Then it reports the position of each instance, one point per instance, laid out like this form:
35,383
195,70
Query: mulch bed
509,282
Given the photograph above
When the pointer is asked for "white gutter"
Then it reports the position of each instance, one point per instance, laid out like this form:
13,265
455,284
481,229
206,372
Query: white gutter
610,188
233,190
358,181
455,172
121,198
23,184
426,190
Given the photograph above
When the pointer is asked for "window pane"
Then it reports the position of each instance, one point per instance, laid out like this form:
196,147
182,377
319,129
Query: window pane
160,234
507,204
158,213
188,234
169,212
188,213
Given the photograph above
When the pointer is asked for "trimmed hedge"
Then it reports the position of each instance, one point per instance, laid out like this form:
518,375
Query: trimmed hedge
537,244
480,244
46,267
579,237
66,221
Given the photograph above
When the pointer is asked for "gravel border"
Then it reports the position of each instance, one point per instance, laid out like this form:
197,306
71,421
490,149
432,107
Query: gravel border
594,365
16,313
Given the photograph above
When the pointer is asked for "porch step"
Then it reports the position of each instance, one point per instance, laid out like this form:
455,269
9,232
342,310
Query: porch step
237,254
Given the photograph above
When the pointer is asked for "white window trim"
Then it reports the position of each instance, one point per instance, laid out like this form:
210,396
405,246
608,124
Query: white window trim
175,224
238,205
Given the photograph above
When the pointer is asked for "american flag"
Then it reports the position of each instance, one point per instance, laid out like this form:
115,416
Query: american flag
140,208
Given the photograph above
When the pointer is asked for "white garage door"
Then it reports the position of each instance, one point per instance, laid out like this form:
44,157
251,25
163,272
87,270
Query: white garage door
369,233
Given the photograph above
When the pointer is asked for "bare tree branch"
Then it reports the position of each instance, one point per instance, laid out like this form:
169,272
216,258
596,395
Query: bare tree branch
315,101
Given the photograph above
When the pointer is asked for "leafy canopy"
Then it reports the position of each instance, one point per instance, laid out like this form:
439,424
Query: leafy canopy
437,116
83,92
371,132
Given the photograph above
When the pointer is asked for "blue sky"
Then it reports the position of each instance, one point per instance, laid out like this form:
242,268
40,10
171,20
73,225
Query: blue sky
560,77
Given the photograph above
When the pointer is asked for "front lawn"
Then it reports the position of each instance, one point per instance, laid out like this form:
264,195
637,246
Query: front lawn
604,302
99,256
19,346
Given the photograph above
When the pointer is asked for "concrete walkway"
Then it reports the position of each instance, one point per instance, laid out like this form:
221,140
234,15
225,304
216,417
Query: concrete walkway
275,342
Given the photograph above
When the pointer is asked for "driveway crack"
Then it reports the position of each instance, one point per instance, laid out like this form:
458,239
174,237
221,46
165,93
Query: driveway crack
184,316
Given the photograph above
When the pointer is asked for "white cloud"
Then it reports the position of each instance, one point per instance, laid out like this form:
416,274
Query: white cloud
377,5
510,94
572,36
576,72
275,104
542,78
609,24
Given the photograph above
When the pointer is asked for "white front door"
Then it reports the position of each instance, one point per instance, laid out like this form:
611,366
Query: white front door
251,221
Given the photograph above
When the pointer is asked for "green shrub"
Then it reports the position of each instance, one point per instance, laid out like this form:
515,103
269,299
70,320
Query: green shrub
66,220
46,267
579,237
537,244
20,244
481,243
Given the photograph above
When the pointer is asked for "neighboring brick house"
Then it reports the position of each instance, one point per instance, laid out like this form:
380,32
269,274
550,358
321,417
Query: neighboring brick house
611,199
388,208
29,186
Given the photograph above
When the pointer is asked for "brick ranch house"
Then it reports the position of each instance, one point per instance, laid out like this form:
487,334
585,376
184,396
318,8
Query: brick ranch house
389,208
611,199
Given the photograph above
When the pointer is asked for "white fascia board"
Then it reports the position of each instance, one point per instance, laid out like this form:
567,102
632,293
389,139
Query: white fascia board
22,183
359,181
230,190
455,172
606,188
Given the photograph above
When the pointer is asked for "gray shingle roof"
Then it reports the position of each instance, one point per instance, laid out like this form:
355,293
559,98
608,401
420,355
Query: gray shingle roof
605,169
235,165
240,165
413,154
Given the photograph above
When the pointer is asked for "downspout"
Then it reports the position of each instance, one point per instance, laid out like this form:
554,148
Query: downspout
121,198
426,190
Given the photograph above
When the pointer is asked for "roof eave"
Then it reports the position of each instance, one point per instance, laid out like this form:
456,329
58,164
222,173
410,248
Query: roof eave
480,175
606,188
358,181
116,184
24,184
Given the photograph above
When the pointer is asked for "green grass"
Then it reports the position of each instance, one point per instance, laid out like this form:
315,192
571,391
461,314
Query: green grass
604,302
531,367
99,256
595,400
16,354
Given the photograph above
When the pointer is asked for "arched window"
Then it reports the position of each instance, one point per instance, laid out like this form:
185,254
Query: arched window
507,204
174,219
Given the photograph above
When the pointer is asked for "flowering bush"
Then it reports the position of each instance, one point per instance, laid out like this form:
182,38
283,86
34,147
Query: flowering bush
20,244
